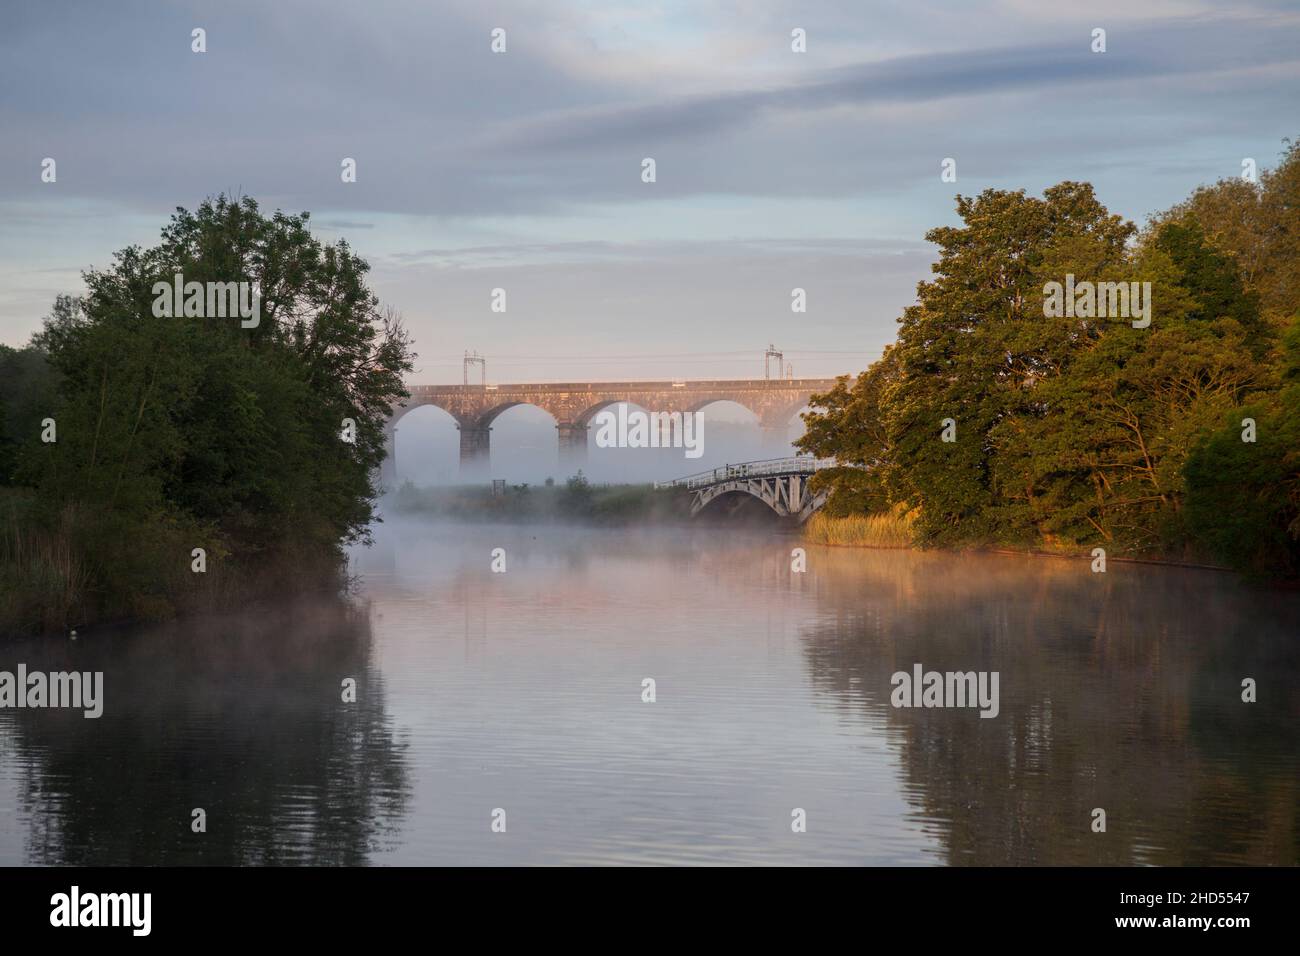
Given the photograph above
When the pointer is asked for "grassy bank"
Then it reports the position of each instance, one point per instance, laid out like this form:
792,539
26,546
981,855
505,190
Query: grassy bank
897,528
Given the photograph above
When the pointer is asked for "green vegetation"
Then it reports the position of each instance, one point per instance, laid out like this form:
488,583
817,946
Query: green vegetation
1076,432
180,433
577,500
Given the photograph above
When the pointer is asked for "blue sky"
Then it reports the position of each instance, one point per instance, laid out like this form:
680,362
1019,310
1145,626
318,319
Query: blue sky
521,170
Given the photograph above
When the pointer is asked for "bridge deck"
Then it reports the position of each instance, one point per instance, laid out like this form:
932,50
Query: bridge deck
708,385
768,468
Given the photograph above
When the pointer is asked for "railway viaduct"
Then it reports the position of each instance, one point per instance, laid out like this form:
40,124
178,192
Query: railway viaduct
775,402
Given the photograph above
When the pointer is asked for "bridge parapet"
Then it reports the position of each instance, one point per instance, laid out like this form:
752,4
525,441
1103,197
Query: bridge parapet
800,465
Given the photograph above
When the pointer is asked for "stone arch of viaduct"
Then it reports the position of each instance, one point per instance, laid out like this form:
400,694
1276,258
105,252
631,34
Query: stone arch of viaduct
774,402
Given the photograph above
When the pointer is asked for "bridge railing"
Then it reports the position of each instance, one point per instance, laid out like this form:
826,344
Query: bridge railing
802,465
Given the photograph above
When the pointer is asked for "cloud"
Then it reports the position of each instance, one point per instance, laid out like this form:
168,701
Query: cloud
439,125
650,250
769,163
341,225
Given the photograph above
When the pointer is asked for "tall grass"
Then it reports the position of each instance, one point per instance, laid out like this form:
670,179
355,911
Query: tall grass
83,567
43,577
888,529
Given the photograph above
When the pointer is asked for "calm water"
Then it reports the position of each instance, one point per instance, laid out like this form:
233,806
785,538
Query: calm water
522,691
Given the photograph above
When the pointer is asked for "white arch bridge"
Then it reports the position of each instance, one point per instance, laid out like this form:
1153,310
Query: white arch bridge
780,483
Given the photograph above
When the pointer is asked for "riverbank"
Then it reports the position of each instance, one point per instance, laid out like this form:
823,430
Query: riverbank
893,530
82,568
576,501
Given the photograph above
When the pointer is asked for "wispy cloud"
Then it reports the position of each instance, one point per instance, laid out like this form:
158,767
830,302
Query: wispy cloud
775,169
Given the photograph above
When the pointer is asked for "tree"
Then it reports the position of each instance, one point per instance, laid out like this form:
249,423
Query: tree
1258,225
28,385
576,497
850,423
976,346
181,432
1119,423
996,419
1243,497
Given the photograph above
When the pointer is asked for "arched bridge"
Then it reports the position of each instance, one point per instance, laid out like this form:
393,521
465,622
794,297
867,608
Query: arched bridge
780,483
573,405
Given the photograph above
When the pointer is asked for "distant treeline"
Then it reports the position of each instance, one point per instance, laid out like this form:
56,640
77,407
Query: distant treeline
575,501
1000,418
155,464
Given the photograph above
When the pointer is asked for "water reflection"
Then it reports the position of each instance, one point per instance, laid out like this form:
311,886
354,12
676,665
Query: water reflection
523,691
1120,691
243,718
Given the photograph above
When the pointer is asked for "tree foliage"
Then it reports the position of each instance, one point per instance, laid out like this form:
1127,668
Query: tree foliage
1073,431
183,432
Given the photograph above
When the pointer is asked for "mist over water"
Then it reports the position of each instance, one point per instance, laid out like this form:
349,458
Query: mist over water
525,448
522,691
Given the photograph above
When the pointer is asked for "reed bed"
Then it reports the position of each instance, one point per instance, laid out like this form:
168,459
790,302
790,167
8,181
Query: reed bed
889,529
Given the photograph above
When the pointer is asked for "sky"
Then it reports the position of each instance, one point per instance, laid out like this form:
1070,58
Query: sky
522,170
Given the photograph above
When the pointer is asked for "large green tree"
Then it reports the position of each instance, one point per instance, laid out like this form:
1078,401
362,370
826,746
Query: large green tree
1117,425
1073,430
976,346
180,432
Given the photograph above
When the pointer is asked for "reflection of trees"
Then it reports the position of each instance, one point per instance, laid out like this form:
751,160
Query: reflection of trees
1119,691
242,717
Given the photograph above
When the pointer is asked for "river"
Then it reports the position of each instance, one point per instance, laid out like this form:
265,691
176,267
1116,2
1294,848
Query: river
514,701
